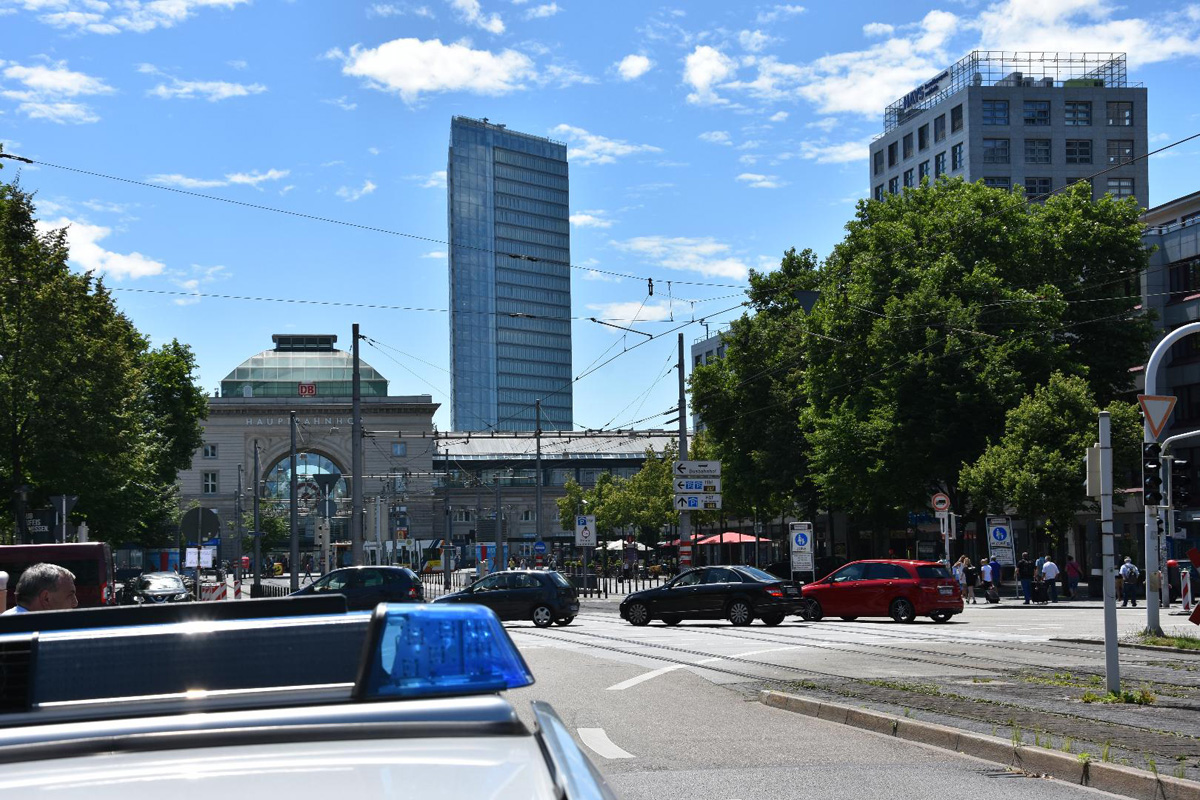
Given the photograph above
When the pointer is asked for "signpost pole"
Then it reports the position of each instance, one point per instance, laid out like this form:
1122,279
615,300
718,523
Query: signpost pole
1112,666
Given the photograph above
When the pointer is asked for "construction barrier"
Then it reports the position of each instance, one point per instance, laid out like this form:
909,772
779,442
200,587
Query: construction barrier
213,591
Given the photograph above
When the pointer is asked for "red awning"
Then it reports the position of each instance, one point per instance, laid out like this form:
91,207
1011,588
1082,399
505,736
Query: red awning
729,537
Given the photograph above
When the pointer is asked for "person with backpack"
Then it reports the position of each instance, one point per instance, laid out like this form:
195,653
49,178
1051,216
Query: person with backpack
1129,583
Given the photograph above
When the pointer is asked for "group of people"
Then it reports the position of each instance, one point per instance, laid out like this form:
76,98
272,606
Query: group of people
968,576
990,573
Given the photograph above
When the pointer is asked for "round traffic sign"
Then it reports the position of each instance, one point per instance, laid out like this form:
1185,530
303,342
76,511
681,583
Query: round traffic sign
940,501
539,547
999,534
801,539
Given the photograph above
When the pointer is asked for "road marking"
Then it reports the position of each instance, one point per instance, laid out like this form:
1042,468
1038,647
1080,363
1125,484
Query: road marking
598,740
645,676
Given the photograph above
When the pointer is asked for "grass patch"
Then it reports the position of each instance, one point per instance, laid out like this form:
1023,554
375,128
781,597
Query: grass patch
1141,697
1179,640
1064,679
899,686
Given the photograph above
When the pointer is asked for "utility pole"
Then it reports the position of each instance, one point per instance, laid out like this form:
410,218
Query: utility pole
237,514
257,530
685,527
356,457
294,558
1112,664
537,433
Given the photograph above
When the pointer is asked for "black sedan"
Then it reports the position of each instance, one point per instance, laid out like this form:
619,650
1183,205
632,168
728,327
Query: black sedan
150,588
736,593
543,596
367,587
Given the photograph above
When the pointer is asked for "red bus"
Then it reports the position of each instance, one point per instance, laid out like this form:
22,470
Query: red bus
91,562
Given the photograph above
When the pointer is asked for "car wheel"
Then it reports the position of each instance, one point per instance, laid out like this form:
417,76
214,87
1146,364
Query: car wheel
740,612
772,619
811,610
638,614
542,616
902,610
849,619
672,621
564,621
941,616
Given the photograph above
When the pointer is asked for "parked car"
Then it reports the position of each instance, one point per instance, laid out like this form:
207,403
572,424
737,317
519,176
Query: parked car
824,565
155,587
543,596
366,587
737,593
900,589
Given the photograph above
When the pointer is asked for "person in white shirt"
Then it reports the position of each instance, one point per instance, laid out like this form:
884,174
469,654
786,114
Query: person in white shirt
1129,582
44,587
985,574
1050,576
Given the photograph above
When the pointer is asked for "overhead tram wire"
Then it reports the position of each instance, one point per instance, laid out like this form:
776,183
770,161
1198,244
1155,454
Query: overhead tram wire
347,223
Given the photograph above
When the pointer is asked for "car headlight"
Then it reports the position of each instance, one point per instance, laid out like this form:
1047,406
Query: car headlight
182,596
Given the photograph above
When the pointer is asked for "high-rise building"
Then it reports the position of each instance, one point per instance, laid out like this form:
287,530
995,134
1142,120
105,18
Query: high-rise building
1039,120
510,281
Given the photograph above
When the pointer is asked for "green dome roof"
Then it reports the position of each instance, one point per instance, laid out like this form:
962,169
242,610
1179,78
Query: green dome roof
279,373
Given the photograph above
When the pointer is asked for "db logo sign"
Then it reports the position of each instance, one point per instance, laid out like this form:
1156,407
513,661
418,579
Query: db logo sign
307,389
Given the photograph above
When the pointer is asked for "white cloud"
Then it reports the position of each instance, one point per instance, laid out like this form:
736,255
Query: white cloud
704,255
716,137
212,91
824,152
434,180
591,148
350,195
238,63
194,279
542,11
777,13
753,41
756,181
440,254
703,68
472,13
233,178
561,75
86,252
874,29
50,92
374,151
826,124
342,103
631,311
101,17
596,275
410,67
592,220
749,159
634,66
103,207
779,116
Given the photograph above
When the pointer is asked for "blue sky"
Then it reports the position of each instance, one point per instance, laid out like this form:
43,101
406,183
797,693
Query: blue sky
705,139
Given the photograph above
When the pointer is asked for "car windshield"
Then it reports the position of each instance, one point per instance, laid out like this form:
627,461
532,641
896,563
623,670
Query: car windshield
758,574
163,583
932,571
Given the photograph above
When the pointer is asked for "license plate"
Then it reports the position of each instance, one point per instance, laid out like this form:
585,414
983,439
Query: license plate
791,590
945,590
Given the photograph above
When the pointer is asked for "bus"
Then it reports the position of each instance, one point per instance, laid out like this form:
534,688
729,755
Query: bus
91,563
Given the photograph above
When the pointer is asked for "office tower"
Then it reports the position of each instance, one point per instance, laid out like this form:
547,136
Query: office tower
510,281
1040,120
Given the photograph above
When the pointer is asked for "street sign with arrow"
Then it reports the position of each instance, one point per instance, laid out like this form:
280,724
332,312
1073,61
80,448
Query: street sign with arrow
696,469
697,485
698,502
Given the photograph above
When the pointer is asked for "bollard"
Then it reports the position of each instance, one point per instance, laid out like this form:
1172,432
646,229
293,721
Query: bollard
1185,589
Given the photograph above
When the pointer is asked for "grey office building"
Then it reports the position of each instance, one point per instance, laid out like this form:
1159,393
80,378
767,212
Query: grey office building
510,281
1039,120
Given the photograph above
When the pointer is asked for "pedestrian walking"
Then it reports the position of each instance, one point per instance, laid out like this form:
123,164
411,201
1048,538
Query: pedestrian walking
1025,572
1050,576
971,575
1072,573
1129,582
997,576
960,575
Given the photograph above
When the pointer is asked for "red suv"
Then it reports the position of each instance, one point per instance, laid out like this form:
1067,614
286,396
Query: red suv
902,590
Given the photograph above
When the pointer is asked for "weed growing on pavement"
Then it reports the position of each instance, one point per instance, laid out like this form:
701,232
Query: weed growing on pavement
1181,640
1150,762
1084,758
1067,745
1141,697
1017,736
1104,748
899,686
1063,679
981,680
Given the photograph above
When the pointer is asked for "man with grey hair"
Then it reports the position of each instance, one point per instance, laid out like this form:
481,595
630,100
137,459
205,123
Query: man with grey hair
44,587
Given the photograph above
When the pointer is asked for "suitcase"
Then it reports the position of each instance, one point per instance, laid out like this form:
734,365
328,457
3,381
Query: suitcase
992,595
1040,593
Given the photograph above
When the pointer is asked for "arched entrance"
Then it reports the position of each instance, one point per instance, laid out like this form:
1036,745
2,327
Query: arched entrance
314,471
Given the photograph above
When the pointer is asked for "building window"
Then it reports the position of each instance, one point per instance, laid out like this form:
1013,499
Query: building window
998,182
209,483
879,192
908,179
210,451
956,156
995,151
464,515
1079,151
908,150
399,448
1184,278
1120,187
1037,151
939,164
939,128
1120,114
922,171
923,137
956,119
893,185
1120,151
878,158
892,151
995,112
1037,112
1188,407
1037,188
527,515
1077,113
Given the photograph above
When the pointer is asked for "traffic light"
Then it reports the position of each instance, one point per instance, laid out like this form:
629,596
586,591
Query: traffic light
1181,480
1152,474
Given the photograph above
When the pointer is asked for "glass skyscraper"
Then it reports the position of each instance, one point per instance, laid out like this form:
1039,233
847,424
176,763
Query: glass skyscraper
510,279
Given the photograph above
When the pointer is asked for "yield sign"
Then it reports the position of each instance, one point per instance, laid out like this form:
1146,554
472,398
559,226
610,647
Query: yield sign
1157,409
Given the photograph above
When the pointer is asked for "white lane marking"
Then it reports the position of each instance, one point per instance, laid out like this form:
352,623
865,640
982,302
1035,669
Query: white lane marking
645,676
598,740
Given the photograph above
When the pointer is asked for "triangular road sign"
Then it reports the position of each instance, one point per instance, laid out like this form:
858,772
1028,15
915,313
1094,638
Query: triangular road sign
1157,409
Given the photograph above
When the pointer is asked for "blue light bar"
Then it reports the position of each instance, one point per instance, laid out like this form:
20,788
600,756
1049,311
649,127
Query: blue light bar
431,650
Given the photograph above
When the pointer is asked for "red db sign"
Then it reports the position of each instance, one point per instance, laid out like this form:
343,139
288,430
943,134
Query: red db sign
307,389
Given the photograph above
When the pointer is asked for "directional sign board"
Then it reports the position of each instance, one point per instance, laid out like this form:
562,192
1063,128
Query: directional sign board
585,531
697,502
1000,540
801,534
697,485
696,469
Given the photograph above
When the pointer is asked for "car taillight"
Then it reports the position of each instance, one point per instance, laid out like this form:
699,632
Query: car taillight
775,591
412,592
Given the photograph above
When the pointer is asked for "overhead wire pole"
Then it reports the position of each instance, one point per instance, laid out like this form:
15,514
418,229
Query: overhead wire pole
294,557
537,432
685,528
356,459
257,531
1112,663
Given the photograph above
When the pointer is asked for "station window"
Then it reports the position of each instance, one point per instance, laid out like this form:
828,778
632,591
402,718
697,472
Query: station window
1037,151
210,451
527,515
908,145
956,156
399,448
1079,151
995,112
1037,112
1077,113
463,515
1120,187
939,164
1120,151
995,151
939,128
923,137
956,118
209,483
1120,114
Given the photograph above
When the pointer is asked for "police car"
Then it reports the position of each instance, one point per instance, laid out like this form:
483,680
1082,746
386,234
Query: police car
403,701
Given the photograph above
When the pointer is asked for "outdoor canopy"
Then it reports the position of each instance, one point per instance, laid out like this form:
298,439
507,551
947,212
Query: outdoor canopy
620,545
730,537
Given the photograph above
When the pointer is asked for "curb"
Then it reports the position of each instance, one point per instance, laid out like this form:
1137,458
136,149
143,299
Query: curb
1128,645
1106,777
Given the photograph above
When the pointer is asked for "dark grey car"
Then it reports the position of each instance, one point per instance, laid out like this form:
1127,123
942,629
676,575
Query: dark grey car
543,596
